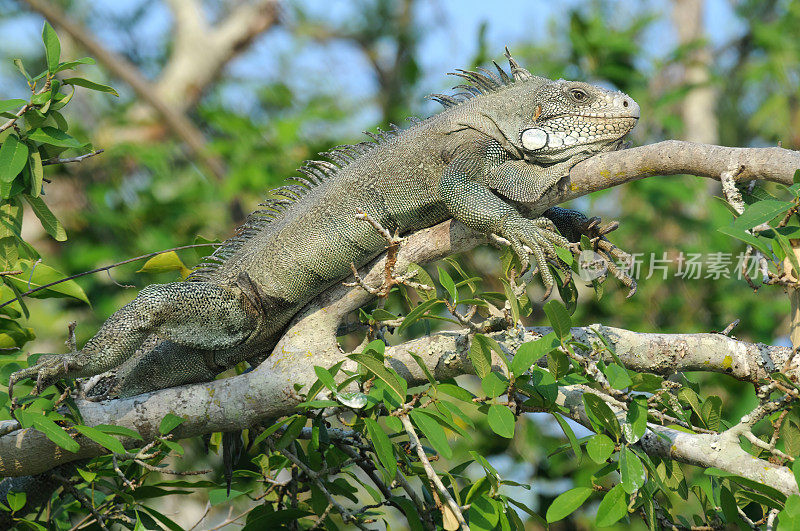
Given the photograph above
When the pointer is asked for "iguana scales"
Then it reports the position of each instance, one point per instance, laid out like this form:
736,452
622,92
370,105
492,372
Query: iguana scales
502,141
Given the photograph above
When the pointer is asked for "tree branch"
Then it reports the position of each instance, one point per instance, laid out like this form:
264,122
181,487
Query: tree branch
201,51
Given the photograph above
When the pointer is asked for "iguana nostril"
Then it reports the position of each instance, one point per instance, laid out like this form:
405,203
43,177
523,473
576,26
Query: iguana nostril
625,103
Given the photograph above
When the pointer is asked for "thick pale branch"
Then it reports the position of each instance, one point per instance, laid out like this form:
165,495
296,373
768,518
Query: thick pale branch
267,392
201,51
674,157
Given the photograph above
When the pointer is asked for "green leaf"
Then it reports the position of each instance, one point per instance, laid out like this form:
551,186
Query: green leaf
796,471
421,276
80,82
119,430
566,503
447,283
413,517
217,496
558,363
761,212
564,254
417,313
11,105
455,391
576,447
631,471
54,137
107,441
16,500
325,377
528,353
21,68
383,446
87,476
501,420
432,431
169,423
455,411
613,507
164,263
712,411
52,47
600,415
377,368
493,385
13,157
380,314
512,300
421,363
291,433
747,238
755,485
783,241
42,98
269,431
559,318
37,173
42,275
55,433
483,514
377,347
481,356
637,418
69,65
618,376
47,218
789,517
729,508
600,448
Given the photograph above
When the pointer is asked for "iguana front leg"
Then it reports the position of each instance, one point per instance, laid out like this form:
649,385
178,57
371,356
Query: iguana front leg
464,190
197,315
524,182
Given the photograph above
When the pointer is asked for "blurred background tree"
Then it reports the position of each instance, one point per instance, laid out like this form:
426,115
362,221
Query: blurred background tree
222,100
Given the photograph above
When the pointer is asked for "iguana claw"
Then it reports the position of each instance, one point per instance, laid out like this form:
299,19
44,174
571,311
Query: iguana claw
573,225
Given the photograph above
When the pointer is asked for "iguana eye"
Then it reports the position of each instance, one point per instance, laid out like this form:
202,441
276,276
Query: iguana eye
578,94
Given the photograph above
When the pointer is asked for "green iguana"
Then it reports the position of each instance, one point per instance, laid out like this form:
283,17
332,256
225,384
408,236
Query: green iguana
499,144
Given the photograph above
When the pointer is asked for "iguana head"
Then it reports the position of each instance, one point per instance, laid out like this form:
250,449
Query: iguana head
542,120
571,118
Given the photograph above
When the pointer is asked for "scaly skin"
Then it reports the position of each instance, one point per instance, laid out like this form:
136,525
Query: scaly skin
503,143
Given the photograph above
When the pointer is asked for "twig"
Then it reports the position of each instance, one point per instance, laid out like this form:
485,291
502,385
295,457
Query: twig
89,506
79,158
17,116
347,516
97,270
431,473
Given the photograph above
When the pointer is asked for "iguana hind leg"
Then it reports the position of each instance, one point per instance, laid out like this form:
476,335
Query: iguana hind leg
195,315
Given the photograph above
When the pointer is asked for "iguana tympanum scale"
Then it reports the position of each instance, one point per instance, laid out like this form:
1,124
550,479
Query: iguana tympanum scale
501,142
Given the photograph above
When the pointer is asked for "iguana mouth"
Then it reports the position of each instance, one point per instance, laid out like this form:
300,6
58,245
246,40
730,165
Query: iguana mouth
593,116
